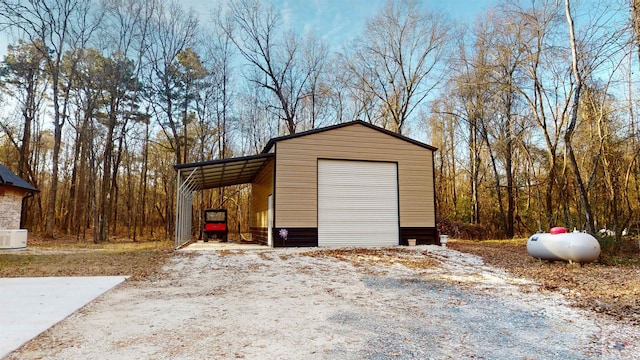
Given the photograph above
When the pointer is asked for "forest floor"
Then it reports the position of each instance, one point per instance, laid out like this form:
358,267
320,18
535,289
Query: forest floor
346,303
65,256
609,286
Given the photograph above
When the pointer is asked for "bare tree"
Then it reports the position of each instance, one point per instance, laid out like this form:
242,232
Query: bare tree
256,124
80,68
470,95
172,31
441,126
277,55
598,45
635,24
612,158
503,42
219,94
25,80
125,36
315,57
546,77
57,26
397,58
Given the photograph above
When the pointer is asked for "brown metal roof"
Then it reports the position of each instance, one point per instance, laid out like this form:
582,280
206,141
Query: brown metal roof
223,172
271,142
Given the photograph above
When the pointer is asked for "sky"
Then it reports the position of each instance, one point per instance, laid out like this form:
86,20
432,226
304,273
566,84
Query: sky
336,21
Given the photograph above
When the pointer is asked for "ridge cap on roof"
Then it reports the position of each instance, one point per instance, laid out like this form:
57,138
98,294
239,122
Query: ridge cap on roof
274,140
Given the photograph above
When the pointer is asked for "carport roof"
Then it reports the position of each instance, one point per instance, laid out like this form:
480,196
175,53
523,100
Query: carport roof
223,172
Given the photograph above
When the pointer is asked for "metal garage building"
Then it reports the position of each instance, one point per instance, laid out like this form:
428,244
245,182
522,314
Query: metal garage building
352,184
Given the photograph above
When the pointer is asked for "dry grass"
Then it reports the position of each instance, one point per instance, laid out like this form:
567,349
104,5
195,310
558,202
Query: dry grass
364,257
610,286
62,257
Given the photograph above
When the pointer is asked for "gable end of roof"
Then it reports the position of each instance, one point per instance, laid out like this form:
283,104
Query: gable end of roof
272,141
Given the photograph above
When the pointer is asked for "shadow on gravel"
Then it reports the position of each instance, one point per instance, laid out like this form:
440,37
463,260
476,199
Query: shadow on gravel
444,320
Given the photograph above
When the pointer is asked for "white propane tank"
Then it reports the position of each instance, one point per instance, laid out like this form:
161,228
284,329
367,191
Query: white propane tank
573,247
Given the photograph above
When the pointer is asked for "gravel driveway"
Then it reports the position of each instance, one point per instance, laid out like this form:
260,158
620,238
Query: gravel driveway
399,303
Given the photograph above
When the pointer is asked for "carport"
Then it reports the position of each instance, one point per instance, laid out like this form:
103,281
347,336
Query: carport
209,175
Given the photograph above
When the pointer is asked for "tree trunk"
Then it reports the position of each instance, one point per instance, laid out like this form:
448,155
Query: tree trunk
584,199
57,140
105,189
510,188
551,179
475,170
24,168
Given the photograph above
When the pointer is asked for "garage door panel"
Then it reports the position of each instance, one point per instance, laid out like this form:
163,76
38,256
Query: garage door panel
362,213
362,218
357,203
354,232
348,227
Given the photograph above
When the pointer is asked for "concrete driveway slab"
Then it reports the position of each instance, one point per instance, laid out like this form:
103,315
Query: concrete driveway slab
29,306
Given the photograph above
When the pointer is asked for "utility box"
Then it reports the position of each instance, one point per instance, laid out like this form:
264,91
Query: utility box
215,225
13,191
13,239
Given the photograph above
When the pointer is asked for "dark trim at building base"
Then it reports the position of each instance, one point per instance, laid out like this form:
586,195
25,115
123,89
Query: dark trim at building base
308,237
260,235
423,235
296,237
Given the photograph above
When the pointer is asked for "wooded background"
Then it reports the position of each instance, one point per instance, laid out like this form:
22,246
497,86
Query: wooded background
532,106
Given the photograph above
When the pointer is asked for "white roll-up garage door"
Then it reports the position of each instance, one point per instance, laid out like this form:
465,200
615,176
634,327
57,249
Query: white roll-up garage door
357,203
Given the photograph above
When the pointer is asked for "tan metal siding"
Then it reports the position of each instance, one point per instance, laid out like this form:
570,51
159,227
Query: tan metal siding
296,172
262,187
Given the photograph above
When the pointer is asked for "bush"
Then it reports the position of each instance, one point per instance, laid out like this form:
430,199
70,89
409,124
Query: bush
464,231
